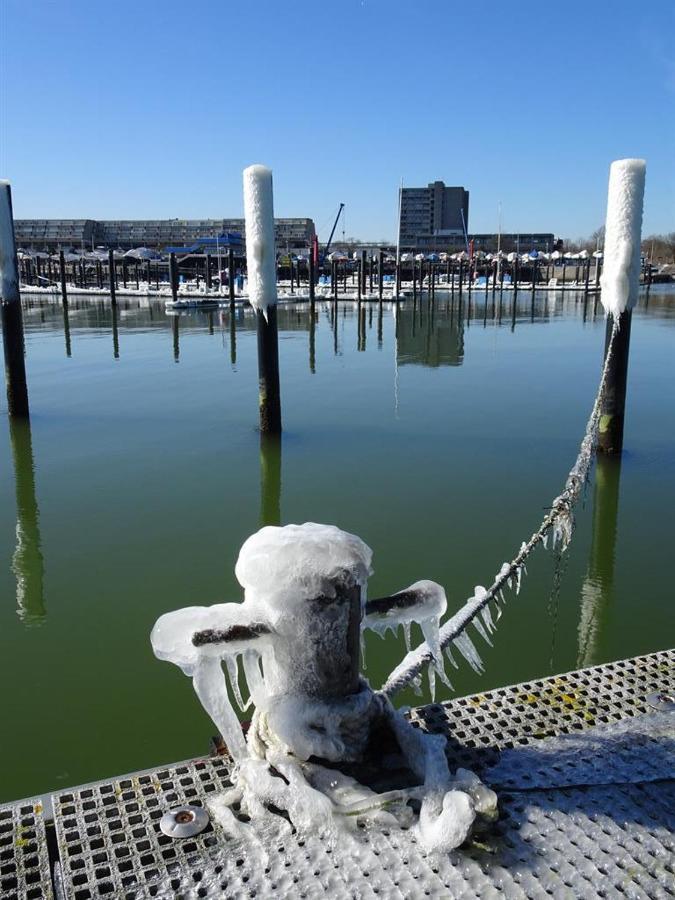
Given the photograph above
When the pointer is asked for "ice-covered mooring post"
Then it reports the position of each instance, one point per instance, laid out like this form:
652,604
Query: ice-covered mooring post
620,282
10,302
262,290
297,638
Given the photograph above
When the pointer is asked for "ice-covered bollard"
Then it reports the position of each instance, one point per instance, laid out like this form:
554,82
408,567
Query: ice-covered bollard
298,634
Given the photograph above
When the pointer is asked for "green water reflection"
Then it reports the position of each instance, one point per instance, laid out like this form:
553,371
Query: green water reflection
438,433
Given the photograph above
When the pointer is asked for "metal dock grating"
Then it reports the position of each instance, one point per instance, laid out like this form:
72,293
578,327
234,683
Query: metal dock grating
24,861
578,840
478,727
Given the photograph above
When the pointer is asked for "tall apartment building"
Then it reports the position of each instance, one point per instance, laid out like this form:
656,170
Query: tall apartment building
433,217
126,234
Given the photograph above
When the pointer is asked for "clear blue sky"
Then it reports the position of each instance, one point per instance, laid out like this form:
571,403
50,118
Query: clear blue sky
152,109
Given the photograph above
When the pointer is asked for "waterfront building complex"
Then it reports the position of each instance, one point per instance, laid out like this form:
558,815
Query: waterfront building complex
49,235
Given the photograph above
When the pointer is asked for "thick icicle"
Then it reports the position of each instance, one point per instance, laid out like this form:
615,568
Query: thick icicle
209,685
466,647
232,664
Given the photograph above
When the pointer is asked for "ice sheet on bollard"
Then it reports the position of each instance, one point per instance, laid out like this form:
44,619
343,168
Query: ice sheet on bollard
283,567
621,266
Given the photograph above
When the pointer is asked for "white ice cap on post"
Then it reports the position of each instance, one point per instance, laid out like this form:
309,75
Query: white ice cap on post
260,253
9,276
623,227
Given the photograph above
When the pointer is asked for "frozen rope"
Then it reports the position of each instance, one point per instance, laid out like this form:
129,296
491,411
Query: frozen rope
559,521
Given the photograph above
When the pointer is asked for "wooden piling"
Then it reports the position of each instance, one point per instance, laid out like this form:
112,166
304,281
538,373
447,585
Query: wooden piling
207,271
10,304
312,276
230,276
262,290
268,371
612,414
173,276
111,276
62,277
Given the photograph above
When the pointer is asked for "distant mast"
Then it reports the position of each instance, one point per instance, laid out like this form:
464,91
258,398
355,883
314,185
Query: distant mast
499,239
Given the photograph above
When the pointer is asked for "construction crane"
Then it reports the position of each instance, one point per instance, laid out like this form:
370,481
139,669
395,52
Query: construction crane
330,239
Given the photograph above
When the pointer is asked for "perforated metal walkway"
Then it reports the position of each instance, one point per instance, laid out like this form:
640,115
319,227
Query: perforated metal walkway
590,813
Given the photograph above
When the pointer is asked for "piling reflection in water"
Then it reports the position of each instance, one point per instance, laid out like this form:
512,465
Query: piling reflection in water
597,589
115,334
270,479
27,561
66,329
312,339
432,339
176,338
233,339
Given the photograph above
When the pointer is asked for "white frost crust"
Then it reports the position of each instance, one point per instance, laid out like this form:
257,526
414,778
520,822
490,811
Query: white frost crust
9,276
260,251
282,567
621,271
171,637
308,727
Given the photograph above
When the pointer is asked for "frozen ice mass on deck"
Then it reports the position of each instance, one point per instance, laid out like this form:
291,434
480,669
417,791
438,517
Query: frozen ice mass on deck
305,590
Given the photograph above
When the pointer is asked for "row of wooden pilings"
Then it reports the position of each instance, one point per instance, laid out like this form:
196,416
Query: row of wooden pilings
366,273
112,274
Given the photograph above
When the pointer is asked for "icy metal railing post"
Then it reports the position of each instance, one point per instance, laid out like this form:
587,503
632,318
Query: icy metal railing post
620,283
10,303
262,290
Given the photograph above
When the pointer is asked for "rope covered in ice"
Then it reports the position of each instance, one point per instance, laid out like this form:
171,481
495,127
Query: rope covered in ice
559,520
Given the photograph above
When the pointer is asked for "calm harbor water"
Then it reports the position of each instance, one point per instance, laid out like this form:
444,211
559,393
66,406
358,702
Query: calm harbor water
439,442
